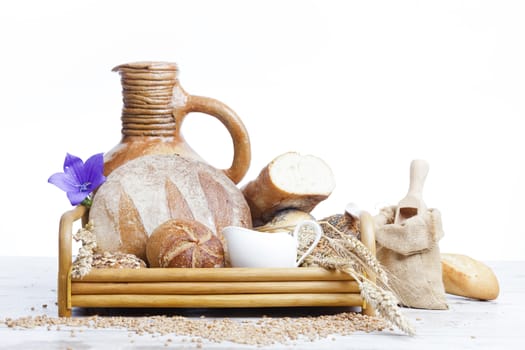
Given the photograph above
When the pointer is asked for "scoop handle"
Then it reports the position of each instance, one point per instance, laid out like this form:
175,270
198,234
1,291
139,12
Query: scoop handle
418,174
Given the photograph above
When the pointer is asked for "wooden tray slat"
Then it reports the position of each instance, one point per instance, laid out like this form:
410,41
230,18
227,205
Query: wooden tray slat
215,287
218,301
213,275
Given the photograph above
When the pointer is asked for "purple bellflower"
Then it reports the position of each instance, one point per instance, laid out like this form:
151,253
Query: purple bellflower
80,179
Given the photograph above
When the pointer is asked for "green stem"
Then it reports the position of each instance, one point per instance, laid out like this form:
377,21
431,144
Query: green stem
87,202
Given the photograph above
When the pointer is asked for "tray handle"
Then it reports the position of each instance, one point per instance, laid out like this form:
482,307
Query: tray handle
65,255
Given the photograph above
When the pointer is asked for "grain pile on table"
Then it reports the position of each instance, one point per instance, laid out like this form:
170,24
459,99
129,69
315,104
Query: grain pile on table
263,331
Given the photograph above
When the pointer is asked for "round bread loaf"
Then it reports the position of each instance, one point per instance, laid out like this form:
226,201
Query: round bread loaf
182,243
143,193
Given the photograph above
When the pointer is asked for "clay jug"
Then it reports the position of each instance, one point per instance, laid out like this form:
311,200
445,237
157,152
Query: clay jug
155,106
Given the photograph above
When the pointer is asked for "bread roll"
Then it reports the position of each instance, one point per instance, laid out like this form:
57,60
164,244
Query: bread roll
285,220
468,277
182,243
289,181
145,192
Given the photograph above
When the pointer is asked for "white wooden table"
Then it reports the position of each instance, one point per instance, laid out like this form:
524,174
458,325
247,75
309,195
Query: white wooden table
28,287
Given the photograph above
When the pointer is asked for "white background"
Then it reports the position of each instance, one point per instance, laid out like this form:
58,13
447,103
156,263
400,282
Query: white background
366,85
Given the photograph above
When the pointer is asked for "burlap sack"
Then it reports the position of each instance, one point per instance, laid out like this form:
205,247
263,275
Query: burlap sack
410,252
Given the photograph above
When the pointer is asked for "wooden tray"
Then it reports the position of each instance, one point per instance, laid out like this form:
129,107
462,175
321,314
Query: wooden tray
202,288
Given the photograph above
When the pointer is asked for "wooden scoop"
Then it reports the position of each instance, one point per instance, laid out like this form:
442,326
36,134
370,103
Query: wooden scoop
413,203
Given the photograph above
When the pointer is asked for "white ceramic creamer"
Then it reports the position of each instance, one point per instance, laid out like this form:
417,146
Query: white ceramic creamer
250,248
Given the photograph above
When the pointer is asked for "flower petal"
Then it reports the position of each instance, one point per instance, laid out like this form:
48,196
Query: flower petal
94,171
63,181
76,197
73,166
71,159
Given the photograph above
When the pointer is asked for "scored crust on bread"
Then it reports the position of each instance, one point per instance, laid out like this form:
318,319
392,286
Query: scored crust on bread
184,244
289,181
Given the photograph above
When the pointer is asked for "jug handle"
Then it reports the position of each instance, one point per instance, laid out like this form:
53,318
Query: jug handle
241,142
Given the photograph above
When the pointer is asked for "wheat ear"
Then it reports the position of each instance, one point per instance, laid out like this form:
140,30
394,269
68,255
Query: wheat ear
356,249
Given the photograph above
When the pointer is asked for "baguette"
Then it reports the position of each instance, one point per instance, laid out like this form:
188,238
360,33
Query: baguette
467,277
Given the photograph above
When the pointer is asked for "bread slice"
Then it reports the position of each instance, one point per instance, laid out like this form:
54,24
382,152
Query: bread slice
290,181
465,276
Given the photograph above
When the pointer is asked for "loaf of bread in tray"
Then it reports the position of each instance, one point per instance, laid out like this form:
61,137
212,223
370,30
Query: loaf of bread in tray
144,193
